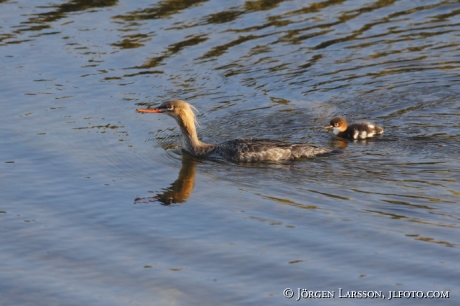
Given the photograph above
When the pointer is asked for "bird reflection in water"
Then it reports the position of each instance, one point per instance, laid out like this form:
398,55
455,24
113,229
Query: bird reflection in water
338,143
181,189
341,143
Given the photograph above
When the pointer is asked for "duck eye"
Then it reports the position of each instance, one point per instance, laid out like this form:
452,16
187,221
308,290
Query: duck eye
170,107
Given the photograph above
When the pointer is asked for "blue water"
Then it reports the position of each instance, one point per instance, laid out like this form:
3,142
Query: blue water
100,207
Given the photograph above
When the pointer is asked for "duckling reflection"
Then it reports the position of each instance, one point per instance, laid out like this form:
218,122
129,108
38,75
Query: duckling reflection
181,189
341,143
338,143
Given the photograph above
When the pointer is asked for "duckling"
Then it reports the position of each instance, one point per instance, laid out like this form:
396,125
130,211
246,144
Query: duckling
361,130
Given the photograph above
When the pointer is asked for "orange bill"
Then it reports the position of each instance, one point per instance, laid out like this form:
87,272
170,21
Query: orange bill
149,110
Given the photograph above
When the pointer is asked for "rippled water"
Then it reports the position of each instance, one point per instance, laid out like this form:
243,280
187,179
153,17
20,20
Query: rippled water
99,207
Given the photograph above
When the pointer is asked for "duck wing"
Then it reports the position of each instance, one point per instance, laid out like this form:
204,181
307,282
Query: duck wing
260,149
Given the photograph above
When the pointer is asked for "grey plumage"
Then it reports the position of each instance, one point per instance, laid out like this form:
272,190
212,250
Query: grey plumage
257,149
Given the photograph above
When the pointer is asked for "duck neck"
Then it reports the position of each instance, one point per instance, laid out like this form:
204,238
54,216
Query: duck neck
191,143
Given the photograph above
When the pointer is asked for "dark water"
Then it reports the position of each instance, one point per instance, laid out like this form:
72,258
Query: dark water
99,207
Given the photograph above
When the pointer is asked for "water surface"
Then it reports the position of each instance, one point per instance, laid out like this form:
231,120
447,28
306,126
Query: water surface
100,207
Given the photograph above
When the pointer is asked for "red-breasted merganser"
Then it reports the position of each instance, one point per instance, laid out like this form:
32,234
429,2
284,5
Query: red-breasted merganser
361,130
238,150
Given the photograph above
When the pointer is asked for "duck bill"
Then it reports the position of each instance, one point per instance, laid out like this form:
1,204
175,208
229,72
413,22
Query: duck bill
149,110
328,127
